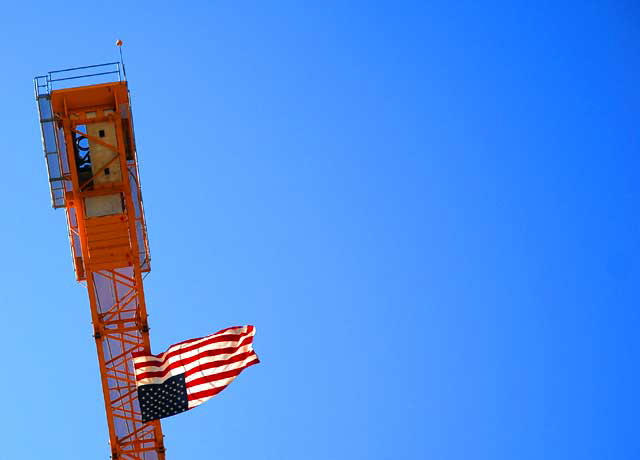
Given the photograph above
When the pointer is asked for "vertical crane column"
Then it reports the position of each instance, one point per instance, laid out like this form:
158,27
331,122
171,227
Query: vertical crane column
109,246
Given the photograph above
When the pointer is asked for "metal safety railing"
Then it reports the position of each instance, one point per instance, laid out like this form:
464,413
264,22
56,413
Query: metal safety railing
52,143
94,74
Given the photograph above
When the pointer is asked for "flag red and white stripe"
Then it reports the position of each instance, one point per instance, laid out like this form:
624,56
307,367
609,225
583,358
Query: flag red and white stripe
208,363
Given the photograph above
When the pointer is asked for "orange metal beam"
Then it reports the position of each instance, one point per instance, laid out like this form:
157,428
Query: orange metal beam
111,257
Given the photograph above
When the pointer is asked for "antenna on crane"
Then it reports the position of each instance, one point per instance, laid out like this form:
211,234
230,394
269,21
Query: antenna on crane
124,71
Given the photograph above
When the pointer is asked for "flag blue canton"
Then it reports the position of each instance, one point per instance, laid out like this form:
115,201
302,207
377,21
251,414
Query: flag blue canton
163,399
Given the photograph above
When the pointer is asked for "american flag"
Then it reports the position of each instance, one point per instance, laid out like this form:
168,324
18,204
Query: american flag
191,372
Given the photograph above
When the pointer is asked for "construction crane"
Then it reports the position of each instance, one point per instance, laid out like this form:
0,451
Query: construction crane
90,152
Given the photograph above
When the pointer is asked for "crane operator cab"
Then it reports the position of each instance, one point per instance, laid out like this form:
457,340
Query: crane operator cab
98,168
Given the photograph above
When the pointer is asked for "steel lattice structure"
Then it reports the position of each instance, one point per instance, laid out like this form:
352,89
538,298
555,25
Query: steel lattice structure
89,145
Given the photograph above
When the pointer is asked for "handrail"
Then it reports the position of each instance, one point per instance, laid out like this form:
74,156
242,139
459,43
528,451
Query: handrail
84,67
44,84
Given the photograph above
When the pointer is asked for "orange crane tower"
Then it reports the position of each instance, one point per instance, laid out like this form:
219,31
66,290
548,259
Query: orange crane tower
89,146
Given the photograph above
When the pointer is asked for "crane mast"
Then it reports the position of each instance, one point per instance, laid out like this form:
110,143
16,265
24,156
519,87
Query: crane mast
89,146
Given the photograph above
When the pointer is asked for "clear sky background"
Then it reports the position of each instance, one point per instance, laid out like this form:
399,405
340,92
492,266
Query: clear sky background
429,211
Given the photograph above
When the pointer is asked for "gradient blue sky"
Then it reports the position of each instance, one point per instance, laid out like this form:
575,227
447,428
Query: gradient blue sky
429,210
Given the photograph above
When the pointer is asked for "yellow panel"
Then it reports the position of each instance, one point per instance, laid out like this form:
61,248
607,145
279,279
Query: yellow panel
101,155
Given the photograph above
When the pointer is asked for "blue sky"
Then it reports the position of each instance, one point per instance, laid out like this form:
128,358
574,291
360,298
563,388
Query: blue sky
428,210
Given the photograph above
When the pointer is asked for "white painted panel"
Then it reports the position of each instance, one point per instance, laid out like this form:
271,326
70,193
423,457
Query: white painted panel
104,205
